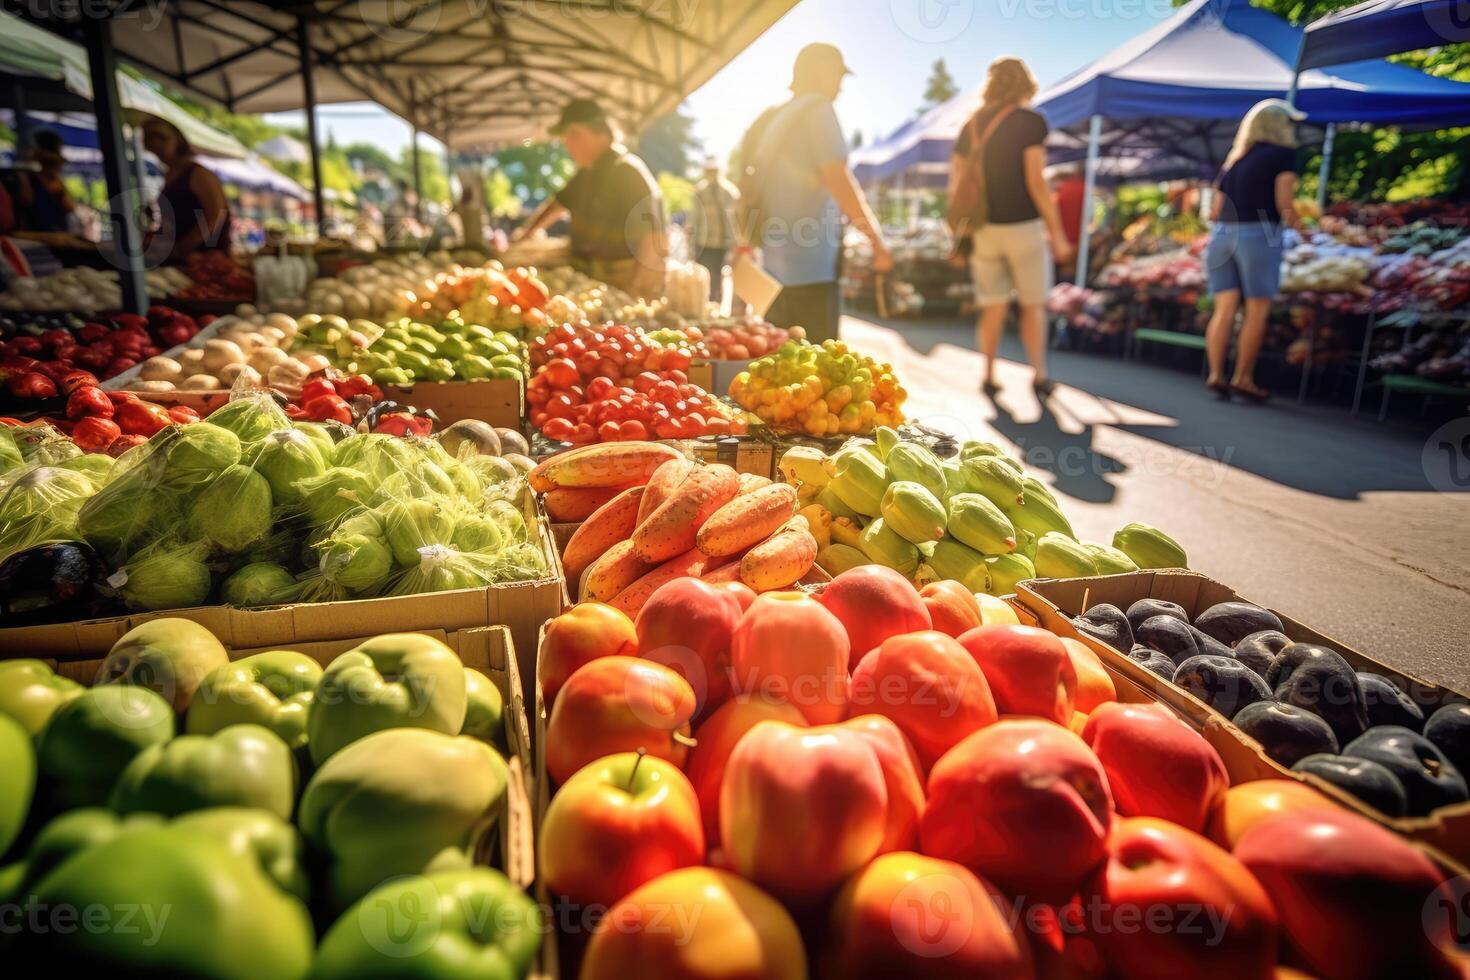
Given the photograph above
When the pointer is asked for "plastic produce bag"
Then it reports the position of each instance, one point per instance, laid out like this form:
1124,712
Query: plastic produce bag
259,584
411,524
251,415
233,512
10,457
193,455
354,561
165,575
443,569
333,494
285,458
39,506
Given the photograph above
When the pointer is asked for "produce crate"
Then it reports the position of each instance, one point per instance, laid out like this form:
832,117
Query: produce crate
499,401
723,373
521,607
702,374
1053,603
509,844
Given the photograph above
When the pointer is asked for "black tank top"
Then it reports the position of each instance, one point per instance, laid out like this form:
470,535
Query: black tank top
180,211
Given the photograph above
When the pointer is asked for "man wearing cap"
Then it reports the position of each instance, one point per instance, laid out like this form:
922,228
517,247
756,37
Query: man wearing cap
615,206
714,232
797,188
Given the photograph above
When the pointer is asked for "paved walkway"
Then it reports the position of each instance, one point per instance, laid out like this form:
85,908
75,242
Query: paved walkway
1330,519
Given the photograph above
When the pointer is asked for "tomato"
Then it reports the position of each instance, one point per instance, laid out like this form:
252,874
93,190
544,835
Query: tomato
633,431
560,406
577,394
646,382
589,362
655,359
609,368
558,430
561,373
666,428
665,393
676,360
583,433
610,432
738,427
600,389
677,377
536,397
563,332
538,419
717,426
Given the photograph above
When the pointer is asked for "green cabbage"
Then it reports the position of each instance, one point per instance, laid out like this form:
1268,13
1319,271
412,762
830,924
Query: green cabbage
285,458
379,456
259,584
196,454
165,575
96,467
466,481
233,512
334,493
477,533
442,569
321,438
357,563
509,517
250,418
415,523
492,470
40,506
120,514
10,455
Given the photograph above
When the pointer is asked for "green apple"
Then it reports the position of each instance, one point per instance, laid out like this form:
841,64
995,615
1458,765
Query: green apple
400,680
243,765
30,691
273,689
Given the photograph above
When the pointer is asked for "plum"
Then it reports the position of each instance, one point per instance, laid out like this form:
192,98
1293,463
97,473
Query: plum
1449,728
1224,683
1287,733
1430,780
1146,609
1319,679
1258,650
1107,623
1368,781
1387,705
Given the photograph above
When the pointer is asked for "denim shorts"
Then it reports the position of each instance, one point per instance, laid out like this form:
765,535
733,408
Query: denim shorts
1246,257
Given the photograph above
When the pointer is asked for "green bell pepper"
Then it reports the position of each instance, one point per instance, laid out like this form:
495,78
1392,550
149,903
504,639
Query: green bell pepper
30,691
170,656
91,739
243,765
17,780
440,369
75,831
401,680
398,802
264,837
273,689
485,708
472,923
172,903
473,367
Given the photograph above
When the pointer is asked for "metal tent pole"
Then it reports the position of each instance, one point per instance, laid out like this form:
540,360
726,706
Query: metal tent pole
1326,172
418,189
126,239
22,120
308,92
1084,242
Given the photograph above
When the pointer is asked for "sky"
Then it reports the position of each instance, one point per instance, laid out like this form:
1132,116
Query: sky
890,44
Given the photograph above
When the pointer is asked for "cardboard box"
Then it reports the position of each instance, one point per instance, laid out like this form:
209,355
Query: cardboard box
519,606
724,373
702,375
509,843
1053,603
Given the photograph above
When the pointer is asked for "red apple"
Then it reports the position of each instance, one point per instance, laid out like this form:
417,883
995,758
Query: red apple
1356,901
1245,805
578,636
1094,684
952,607
929,687
1170,903
717,737
801,808
1023,803
902,777
686,625
874,602
618,704
616,824
1028,669
696,924
1157,765
907,915
788,647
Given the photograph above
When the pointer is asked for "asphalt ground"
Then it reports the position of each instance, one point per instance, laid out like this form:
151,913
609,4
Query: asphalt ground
1358,528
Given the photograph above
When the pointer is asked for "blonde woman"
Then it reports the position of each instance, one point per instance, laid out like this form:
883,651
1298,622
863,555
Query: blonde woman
1254,201
1012,251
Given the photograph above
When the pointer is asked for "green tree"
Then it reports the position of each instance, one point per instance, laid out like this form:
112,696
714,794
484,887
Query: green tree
678,193
670,146
536,170
941,86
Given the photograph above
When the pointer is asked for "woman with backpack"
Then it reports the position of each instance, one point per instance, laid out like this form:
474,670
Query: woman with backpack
1004,219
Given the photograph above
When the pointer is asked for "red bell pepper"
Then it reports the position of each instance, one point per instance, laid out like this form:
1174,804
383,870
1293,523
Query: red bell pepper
317,388
95,435
183,414
141,418
77,378
403,424
123,443
329,408
32,384
89,402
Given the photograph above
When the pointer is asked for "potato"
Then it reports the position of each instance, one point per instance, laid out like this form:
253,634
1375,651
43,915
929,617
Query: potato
218,353
201,382
154,386
161,369
265,358
241,374
192,361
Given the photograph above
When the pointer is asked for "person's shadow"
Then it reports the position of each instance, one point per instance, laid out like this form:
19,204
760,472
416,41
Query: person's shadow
1080,471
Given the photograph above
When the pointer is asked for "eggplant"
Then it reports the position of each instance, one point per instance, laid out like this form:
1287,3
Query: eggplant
51,583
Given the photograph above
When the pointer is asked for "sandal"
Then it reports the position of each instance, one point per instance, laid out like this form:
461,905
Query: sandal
1253,394
1220,388
990,388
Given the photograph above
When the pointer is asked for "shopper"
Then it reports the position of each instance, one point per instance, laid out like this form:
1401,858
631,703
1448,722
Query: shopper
795,189
1068,194
45,204
400,218
713,234
194,213
1017,231
616,209
1255,199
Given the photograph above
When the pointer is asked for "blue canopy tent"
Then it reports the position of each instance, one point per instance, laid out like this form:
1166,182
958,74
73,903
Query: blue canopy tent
1184,84
1380,28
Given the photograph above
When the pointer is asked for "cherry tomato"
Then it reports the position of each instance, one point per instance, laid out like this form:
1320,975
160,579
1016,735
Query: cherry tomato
560,406
634,431
676,360
561,373
583,433
558,430
610,432
717,426
600,389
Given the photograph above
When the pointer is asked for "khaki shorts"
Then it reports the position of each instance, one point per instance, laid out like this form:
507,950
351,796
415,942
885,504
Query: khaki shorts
1012,259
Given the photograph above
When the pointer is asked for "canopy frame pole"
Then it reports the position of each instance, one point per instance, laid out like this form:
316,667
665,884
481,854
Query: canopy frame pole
308,92
22,119
127,240
1325,173
1089,182
418,179
1296,70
